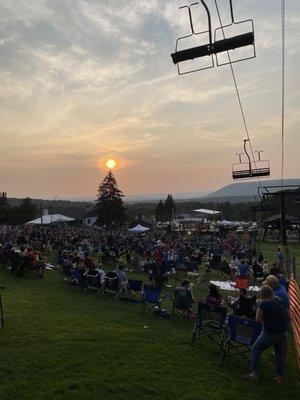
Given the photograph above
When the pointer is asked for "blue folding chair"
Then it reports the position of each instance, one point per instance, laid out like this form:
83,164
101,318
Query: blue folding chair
66,273
239,334
210,322
151,298
79,277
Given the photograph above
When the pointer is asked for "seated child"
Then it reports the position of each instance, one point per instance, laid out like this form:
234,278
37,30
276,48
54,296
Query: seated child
214,296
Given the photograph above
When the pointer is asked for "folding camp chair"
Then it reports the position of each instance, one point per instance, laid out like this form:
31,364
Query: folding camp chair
32,270
134,289
93,282
111,283
210,322
66,273
151,298
79,277
242,282
182,303
239,334
246,307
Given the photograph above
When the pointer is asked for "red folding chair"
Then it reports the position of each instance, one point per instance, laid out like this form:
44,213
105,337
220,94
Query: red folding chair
242,282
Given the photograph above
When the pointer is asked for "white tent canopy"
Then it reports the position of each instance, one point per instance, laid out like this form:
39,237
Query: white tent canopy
224,222
50,219
139,228
207,213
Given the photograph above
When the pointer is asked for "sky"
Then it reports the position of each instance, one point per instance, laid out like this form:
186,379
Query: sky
85,80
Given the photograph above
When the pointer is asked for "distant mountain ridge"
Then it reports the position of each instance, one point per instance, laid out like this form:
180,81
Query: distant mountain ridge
234,193
246,190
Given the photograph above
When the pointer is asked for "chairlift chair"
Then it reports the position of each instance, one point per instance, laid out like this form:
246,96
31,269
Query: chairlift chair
214,45
234,42
246,169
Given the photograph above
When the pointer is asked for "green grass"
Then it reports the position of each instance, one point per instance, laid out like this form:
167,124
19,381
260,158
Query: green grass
61,343
269,251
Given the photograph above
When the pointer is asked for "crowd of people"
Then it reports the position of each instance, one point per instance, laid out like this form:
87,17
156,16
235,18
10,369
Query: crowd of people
83,252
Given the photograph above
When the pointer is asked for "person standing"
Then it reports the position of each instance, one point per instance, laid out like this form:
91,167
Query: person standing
271,313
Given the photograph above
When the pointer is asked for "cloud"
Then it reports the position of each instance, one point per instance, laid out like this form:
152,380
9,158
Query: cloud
83,79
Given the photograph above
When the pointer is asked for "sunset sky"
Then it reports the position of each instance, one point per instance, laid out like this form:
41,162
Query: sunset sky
85,80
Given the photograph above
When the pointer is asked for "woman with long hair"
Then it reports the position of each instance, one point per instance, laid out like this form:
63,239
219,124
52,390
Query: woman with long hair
272,314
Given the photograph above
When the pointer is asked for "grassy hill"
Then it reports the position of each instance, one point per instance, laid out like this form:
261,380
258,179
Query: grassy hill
61,343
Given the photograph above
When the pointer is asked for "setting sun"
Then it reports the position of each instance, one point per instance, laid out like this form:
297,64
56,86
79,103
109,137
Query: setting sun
111,163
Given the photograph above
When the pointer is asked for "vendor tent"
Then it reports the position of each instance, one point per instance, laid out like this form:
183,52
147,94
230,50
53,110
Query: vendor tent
139,229
203,212
224,222
50,219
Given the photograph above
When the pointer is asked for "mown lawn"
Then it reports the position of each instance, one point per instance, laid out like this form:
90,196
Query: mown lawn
269,251
61,343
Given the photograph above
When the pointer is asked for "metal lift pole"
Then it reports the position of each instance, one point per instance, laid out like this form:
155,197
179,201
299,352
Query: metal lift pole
283,220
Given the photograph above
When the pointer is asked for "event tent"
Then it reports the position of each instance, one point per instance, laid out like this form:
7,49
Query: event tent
224,222
50,219
139,229
207,214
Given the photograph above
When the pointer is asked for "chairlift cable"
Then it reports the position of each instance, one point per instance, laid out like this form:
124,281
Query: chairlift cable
282,89
238,93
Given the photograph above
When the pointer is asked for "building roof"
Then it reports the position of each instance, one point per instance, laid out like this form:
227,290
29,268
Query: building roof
205,212
50,219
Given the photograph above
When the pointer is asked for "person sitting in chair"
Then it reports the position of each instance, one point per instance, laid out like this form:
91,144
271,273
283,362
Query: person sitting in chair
183,296
101,272
214,296
257,270
122,278
243,269
35,264
244,305
185,289
225,267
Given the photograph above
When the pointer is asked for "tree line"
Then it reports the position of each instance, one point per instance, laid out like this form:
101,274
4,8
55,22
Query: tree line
113,212
17,215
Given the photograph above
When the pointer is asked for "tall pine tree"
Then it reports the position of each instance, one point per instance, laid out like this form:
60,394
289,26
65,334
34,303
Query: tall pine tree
109,206
160,212
170,207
